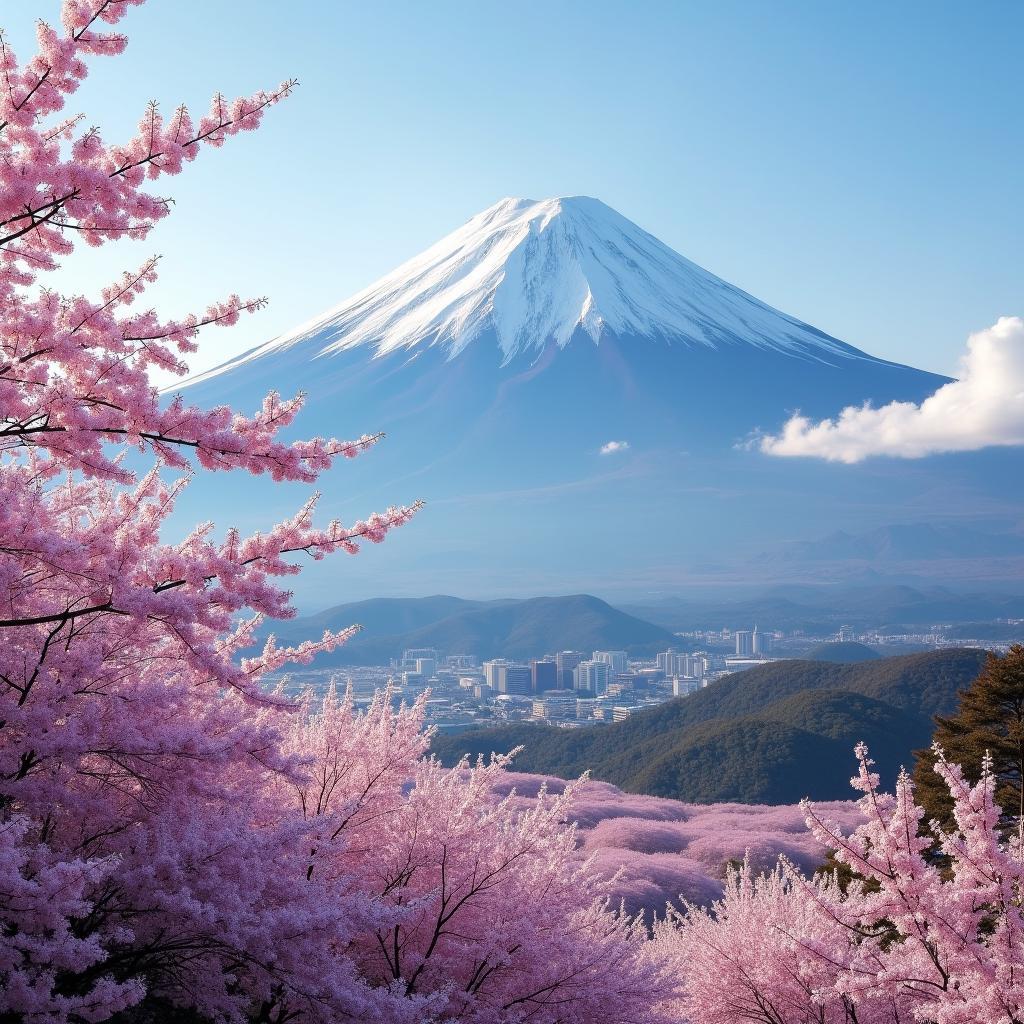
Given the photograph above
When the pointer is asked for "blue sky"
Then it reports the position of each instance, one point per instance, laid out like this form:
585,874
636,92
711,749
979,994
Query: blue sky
857,165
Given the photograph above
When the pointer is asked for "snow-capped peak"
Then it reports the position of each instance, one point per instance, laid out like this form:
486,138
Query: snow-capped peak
539,272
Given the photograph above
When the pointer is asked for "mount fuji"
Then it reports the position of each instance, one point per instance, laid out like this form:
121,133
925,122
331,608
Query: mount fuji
571,397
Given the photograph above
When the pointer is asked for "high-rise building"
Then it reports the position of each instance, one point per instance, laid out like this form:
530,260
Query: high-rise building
692,665
744,643
592,676
514,679
762,644
667,662
617,659
544,675
845,633
426,667
566,662
491,669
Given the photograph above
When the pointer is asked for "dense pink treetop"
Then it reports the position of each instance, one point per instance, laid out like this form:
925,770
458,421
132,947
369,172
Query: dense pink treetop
658,851
913,938
172,836
481,905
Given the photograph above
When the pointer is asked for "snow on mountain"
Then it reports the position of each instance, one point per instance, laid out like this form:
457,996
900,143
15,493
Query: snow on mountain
535,273
549,363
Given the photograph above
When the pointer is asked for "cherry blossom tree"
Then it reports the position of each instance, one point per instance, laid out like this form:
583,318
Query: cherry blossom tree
173,837
485,910
905,942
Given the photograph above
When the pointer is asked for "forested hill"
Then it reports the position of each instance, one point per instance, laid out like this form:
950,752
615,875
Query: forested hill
773,734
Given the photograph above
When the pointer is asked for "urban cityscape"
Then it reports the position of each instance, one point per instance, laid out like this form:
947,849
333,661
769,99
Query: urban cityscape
575,689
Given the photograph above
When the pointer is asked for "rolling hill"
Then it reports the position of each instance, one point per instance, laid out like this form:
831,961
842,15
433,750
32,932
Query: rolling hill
773,734
844,652
509,628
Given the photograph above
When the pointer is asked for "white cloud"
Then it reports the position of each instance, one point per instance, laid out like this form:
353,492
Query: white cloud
984,407
614,446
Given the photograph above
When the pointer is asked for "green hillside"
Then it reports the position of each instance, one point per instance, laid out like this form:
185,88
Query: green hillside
772,734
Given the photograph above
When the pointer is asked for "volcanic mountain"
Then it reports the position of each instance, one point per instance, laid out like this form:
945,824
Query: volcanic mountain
571,396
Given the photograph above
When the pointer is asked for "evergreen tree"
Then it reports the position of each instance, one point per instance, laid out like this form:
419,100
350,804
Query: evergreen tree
990,720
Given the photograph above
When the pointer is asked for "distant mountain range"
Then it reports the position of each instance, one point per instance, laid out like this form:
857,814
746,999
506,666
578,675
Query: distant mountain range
573,398
485,629
823,609
773,734
530,627
907,542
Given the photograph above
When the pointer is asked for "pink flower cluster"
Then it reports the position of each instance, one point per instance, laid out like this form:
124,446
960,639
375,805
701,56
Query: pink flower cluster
912,938
172,836
659,853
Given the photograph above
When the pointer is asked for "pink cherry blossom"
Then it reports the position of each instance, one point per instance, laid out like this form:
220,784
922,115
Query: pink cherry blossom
171,833
911,939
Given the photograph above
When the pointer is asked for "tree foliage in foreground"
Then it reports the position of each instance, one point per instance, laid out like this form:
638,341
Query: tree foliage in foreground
989,723
173,839
904,942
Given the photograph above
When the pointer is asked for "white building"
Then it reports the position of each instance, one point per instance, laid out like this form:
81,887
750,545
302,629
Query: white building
694,665
617,660
621,712
492,670
592,675
667,662
683,686
744,643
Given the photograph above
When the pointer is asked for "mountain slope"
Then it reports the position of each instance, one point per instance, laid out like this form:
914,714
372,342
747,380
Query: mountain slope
774,733
379,615
514,629
500,363
536,273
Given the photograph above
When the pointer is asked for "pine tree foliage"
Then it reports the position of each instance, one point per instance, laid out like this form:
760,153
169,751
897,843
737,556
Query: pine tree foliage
989,722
